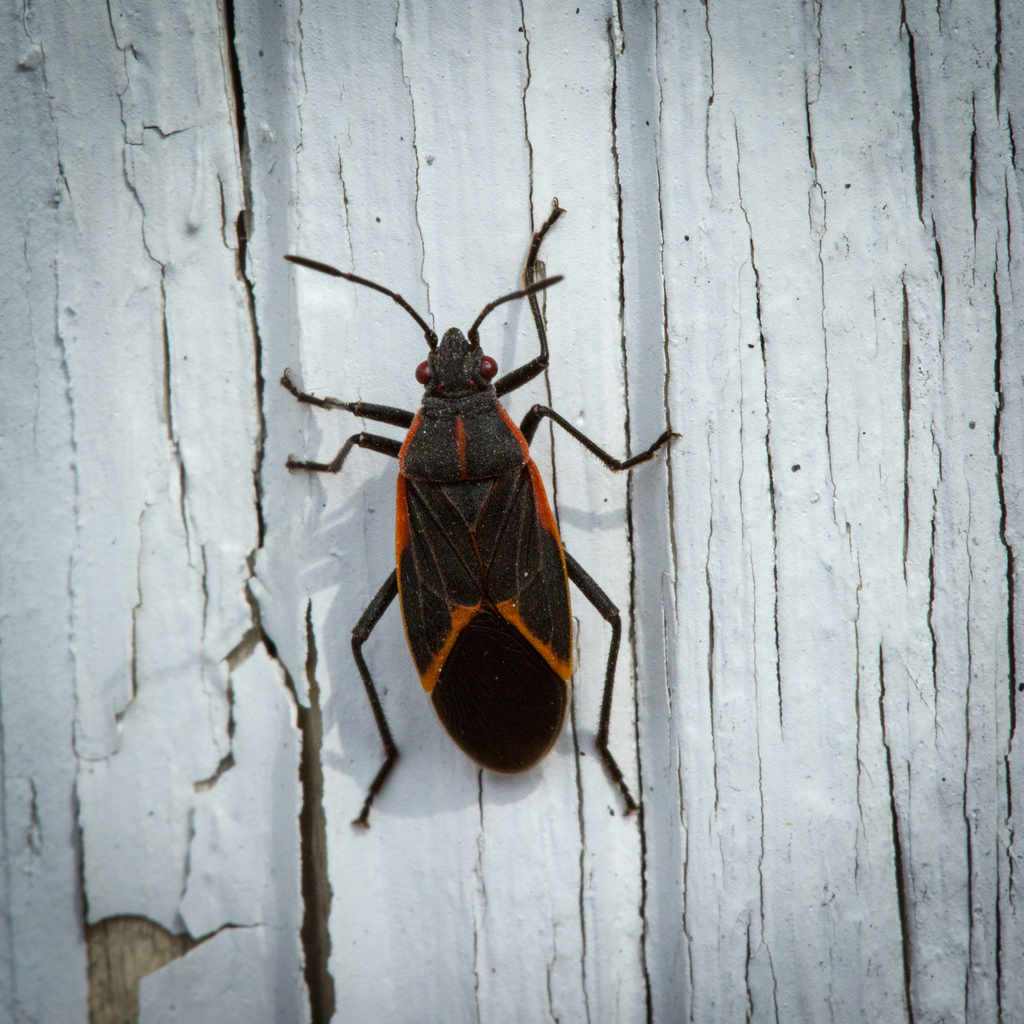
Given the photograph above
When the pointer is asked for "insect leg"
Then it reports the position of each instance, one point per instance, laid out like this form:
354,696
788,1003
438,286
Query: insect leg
376,608
365,410
524,374
532,420
600,600
376,443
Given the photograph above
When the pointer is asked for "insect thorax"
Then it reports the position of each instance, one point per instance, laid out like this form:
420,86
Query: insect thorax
466,438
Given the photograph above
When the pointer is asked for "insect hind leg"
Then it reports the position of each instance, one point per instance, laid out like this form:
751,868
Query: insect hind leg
600,600
360,634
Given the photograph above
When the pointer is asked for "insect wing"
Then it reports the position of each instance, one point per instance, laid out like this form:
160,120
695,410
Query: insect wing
526,580
497,696
439,580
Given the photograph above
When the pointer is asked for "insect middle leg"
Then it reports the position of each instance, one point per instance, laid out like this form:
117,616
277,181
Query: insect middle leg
374,442
600,600
363,628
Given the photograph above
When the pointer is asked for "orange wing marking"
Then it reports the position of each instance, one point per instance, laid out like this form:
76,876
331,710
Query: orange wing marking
547,520
509,611
461,616
401,522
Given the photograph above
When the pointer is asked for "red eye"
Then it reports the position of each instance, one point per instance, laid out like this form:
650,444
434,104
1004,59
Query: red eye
423,373
488,367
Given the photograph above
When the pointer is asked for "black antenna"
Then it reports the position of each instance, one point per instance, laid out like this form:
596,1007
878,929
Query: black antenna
474,331
326,268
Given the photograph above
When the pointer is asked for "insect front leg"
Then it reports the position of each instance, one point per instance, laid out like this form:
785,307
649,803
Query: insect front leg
524,374
600,600
364,627
375,443
364,410
532,420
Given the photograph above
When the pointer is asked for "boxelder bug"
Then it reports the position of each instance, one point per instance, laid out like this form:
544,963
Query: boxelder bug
482,576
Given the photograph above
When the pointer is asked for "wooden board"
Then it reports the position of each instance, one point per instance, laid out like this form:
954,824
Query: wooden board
792,236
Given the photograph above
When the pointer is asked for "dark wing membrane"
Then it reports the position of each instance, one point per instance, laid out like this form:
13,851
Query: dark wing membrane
438,571
498,698
468,498
522,555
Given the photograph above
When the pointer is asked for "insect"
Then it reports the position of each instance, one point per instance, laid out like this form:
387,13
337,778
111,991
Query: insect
481,574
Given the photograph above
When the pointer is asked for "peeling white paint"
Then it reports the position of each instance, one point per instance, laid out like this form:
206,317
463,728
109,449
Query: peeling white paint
240,976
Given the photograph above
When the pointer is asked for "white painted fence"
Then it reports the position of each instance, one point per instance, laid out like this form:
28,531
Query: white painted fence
793,235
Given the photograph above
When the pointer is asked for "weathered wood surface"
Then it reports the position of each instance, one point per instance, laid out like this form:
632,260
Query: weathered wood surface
793,235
